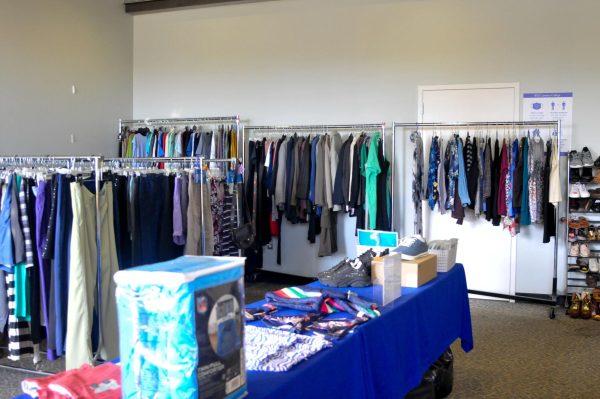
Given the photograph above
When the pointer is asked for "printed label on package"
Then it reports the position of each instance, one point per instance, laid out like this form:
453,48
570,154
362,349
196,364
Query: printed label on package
219,332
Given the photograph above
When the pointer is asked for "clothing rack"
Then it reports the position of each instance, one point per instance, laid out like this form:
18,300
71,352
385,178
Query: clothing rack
26,161
510,125
199,161
210,120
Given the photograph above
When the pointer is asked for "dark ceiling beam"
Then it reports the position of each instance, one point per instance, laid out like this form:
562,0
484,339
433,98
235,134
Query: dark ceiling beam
157,5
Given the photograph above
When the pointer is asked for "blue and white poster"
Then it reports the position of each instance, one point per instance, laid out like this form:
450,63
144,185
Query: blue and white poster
551,107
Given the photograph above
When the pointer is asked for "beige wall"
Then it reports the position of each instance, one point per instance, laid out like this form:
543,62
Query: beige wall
354,60
45,48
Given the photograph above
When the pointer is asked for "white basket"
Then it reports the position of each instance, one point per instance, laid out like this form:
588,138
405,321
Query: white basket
446,258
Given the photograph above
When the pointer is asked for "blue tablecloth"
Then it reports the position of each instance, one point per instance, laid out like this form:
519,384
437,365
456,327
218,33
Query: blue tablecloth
386,357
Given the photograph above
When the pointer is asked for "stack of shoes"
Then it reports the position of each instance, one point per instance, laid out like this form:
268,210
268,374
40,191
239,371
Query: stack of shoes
580,164
351,272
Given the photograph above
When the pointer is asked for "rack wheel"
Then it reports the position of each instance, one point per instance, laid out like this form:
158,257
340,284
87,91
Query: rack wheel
551,314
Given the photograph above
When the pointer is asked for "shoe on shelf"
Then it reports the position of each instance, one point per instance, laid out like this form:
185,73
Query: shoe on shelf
583,222
596,179
584,250
582,235
574,191
572,235
573,268
575,160
597,162
574,224
586,305
575,308
595,193
583,192
594,265
586,175
596,304
574,249
586,158
412,247
591,280
596,206
591,233
574,175
583,264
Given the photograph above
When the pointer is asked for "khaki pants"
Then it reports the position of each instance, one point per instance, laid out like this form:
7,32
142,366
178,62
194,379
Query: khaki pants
196,214
83,278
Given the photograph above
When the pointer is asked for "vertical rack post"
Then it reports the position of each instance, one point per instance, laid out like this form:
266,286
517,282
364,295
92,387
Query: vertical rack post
202,235
98,161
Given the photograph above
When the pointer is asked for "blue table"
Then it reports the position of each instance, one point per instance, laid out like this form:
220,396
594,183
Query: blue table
387,356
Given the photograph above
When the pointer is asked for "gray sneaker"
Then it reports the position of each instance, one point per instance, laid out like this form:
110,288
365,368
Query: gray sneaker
575,160
350,274
586,158
412,247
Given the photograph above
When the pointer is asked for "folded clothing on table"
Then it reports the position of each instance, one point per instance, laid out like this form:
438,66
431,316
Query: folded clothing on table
268,349
323,300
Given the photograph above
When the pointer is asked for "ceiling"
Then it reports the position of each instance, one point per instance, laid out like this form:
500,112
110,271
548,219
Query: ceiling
137,6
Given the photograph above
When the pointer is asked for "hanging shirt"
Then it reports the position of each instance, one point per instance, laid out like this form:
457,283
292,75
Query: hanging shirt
463,191
432,175
525,214
372,169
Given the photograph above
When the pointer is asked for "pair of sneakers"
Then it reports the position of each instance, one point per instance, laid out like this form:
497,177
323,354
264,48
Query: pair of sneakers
581,159
351,272
578,190
579,249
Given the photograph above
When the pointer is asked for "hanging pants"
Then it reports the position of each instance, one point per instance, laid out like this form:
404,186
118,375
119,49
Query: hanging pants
83,278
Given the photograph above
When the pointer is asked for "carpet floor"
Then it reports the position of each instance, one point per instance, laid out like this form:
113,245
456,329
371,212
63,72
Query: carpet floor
519,353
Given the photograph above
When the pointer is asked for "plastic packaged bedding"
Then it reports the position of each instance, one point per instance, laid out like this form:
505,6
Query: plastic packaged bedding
181,328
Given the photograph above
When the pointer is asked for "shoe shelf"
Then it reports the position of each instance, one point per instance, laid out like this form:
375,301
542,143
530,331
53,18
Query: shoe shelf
583,202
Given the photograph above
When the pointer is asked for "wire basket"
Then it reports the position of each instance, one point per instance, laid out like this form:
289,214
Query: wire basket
446,258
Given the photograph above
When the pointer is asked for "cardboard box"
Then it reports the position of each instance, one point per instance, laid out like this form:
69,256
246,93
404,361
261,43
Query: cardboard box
419,271
386,275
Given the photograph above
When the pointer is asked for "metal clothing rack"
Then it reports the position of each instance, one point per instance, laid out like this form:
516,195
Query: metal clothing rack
193,161
506,124
71,161
211,120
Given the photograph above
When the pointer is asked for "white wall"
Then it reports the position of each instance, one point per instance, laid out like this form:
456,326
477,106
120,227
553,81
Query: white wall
45,48
320,61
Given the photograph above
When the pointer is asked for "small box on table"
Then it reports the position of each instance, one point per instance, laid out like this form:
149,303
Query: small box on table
418,271
181,328
386,276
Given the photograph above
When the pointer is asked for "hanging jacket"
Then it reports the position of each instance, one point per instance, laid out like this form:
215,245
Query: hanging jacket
525,214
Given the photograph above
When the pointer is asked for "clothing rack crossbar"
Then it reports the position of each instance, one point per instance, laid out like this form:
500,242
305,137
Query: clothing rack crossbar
180,121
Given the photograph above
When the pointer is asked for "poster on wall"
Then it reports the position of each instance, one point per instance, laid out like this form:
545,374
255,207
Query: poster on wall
551,107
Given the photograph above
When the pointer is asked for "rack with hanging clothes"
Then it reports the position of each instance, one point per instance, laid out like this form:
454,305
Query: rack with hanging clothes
190,207
308,173
517,184
55,264
206,137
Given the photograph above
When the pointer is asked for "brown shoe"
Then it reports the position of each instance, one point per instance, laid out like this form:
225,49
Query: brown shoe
575,308
586,305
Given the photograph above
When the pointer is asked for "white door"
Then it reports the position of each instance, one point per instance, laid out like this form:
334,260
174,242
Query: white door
487,252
